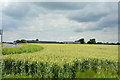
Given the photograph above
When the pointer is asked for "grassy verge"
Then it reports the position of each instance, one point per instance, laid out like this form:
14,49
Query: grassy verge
4,44
22,49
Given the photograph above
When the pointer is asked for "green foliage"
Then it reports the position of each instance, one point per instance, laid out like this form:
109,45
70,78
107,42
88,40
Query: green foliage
91,41
87,68
81,41
18,41
86,74
37,39
22,49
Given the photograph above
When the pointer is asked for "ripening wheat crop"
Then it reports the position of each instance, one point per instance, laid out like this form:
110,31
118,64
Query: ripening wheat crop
66,53
61,61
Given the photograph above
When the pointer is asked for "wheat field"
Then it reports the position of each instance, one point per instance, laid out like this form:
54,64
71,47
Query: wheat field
66,53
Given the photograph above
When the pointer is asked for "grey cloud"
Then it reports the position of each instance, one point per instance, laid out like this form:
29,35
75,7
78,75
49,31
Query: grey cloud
9,23
108,17
23,10
109,21
88,29
17,15
92,12
61,5
17,10
91,17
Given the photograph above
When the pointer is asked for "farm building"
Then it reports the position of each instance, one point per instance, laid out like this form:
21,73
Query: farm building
33,41
71,42
55,42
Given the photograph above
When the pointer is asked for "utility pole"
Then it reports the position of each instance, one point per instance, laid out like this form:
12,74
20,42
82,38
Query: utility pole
1,33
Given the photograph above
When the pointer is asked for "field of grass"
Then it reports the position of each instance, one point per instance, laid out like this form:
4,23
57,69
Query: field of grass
21,49
61,57
3,44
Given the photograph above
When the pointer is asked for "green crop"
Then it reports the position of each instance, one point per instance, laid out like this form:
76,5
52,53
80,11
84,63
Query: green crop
66,53
22,49
61,61
87,68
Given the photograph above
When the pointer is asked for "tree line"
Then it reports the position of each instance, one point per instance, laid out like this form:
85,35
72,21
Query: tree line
93,41
24,41
81,40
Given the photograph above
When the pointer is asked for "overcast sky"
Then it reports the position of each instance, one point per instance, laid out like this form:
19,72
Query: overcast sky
60,21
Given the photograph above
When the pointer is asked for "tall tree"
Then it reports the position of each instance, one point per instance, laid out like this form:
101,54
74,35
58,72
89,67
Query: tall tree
92,41
17,41
37,39
23,41
81,41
